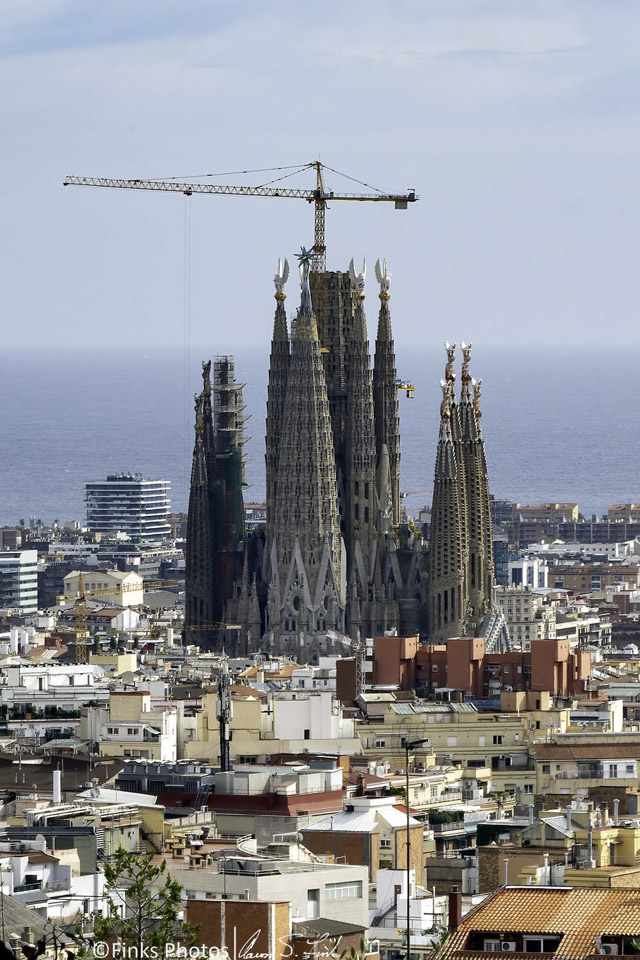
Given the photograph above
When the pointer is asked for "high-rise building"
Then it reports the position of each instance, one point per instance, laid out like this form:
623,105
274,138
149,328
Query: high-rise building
129,504
19,580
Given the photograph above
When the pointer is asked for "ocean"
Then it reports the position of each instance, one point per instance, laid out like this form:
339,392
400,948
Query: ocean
559,423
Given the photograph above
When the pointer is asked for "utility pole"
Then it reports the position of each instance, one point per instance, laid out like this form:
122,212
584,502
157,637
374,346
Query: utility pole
224,710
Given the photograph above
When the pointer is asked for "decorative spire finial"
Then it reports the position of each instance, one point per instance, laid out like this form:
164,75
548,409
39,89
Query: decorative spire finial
445,406
281,277
477,390
206,378
305,260
384,279
466,376
197,397
449,372
358,279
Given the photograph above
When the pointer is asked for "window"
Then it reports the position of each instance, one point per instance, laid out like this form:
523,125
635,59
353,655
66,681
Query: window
380,742
546,768
506,668
343,891
307,734
481,741
497,740
130,731
434,668
630,769
492,946
385,844
528,788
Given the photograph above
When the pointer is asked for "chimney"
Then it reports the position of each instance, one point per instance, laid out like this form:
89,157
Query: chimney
568,810
616,804
57,787
505,864
455,910
530,813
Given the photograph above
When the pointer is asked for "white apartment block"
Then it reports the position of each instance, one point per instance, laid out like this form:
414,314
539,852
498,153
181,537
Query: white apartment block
128,503
19,581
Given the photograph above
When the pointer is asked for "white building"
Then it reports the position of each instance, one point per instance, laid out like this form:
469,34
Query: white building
528,617
127,587
331,891
36,689
528,571
19,580
129,504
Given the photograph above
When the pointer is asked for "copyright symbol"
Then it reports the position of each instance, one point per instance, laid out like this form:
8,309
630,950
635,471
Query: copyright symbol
101,949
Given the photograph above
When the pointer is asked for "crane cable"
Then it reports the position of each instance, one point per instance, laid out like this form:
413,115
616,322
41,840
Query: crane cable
187,337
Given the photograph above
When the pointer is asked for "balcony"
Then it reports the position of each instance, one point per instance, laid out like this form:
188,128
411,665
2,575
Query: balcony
448,829
27,887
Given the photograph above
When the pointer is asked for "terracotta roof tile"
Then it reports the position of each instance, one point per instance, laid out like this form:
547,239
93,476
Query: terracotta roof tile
578,914
587,751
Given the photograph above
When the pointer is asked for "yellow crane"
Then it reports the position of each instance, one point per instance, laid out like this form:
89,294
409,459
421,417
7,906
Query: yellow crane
80,607
317,195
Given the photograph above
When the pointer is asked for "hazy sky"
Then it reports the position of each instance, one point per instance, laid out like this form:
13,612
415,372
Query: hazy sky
515,120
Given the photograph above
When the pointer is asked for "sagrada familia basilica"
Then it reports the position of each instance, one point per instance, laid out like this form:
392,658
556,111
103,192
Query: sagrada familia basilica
335,563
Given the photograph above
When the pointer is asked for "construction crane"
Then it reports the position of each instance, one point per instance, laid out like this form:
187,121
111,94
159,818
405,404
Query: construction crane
408,388
80,607
317,195
359,648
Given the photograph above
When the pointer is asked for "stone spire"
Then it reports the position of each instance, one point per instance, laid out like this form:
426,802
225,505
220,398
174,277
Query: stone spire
447,560
199,549
360,500
228,506
304,542
385,392
475,482
276,390
484,504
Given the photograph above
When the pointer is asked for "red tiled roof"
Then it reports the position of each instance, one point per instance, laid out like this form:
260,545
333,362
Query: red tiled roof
578,914
587,751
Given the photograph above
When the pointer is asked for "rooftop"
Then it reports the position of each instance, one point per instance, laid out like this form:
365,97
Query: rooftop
579,915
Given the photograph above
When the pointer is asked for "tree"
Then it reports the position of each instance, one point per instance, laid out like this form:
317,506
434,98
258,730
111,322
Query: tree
144,904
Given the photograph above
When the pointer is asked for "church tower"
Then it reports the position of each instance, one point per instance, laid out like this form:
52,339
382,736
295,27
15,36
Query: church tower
447,559
479,531
360,501
215,521
385,399
199,548
461,539
307,569
276,390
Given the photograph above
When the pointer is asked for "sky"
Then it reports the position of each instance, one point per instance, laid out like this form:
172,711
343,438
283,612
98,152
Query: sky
515,120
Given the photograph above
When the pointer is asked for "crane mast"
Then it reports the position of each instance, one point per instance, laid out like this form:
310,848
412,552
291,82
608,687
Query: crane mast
319,196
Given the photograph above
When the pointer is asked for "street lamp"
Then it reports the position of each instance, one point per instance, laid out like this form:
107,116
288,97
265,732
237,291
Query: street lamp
409,745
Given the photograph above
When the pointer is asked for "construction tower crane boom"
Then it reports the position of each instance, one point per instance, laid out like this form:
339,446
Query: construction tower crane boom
80,606
317,195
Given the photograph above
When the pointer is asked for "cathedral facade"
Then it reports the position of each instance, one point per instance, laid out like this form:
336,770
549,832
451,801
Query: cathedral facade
334,563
